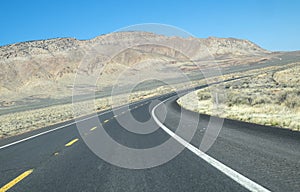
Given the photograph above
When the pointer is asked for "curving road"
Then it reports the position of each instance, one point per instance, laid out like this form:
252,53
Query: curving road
244,157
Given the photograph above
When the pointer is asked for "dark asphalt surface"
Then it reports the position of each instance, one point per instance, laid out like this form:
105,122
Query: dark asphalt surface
266,155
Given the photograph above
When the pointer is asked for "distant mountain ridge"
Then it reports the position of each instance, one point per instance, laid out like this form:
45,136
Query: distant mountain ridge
46,68
31,48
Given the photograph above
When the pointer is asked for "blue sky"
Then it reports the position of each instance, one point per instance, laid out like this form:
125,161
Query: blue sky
274,25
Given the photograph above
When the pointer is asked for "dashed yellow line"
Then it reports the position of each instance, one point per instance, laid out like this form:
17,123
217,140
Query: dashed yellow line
16,180
71,142
93,128
105,121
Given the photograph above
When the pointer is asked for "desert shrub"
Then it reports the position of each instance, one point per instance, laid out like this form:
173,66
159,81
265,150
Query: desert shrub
281,97
239,99
261,100
292,101
245,85
274,123
203,95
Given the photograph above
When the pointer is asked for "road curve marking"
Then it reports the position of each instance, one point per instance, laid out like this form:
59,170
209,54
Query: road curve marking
16,180
234,175
93,128
71,142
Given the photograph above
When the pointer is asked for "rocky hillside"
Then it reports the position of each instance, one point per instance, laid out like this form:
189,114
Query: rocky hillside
46,68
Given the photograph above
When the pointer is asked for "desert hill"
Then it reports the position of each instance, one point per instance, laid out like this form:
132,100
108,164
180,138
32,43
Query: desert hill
46,68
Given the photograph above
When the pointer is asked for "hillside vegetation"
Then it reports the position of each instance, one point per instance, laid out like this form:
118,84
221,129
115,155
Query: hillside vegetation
268,98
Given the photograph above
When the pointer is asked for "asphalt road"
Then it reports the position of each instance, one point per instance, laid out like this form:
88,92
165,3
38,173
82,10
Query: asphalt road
61,161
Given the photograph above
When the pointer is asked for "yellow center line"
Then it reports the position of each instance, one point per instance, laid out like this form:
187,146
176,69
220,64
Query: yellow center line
105,121
71,142
92,129
16,180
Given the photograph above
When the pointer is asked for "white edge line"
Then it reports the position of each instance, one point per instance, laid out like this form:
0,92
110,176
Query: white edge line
49,131
66,125
234,175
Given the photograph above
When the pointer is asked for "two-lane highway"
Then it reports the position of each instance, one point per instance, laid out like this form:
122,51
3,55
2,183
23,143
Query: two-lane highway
59,160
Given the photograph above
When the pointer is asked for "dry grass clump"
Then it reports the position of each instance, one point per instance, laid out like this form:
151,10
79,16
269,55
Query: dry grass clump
270,98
